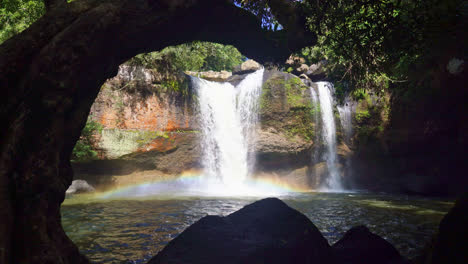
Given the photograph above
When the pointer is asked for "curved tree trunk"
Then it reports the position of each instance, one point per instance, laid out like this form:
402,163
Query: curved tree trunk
52,73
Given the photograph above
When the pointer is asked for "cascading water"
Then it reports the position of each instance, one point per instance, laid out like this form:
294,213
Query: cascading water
333,182
346,110
229,116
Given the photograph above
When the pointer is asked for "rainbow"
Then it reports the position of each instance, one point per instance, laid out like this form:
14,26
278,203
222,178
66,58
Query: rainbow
191,184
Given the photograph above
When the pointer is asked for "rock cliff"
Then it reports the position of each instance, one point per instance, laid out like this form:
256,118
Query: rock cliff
148,124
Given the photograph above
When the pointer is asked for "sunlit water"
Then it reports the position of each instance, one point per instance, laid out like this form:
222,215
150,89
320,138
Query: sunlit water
134,230
228,116
325,97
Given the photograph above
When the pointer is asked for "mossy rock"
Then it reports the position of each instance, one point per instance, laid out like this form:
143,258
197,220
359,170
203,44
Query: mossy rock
282,92
286,105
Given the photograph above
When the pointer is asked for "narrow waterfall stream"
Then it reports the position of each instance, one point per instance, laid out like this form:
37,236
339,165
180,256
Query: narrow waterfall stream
229,116
346,110
333,181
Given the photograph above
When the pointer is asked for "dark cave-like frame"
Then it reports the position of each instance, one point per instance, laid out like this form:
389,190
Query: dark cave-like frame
53,71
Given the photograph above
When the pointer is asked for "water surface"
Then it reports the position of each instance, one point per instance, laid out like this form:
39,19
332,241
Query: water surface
134,230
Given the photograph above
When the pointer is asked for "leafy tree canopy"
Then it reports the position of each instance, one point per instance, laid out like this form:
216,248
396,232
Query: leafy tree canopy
377,42
195,56
17,15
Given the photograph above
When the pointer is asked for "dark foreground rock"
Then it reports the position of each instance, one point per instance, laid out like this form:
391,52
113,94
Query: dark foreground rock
451,243
361,246
267,231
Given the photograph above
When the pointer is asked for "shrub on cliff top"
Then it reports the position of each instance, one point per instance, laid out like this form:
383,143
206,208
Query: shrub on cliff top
84,148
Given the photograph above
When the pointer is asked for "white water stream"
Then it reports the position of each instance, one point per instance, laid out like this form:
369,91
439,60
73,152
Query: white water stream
333,181
229,117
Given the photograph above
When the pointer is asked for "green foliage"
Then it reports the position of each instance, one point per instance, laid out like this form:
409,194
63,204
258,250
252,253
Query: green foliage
359,94
84,148
17,15
195,56
370,44
362,116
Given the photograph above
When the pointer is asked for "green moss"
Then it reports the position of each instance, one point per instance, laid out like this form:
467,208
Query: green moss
302,124
266,93
294,88
362,115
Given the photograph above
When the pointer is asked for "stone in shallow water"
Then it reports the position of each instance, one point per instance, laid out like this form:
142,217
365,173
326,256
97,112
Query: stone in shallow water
361,246
267,231
79,186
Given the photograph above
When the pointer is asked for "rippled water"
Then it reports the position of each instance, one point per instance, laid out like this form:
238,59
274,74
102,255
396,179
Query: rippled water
132,231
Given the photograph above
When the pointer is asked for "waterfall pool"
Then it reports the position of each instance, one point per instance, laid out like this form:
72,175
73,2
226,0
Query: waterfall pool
132,230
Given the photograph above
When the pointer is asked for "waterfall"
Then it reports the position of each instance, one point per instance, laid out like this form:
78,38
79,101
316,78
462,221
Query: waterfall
229,116
325,98
346,110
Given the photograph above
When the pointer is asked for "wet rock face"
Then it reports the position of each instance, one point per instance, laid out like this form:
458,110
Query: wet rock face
133,100
267,231
287,129
148,127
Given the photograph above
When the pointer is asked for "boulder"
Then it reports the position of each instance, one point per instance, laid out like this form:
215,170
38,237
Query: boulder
361,246
267,231
295,61
247,67
302,69
221,76
79,186
317,72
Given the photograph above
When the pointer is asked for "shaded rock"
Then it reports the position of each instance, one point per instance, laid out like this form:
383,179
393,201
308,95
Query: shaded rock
299,177
177,153
451,242
271,142
359,245
343,150
247,67
79,186
221,76
279,151
317,72
286,128
267,231
302,69
129,73
319,173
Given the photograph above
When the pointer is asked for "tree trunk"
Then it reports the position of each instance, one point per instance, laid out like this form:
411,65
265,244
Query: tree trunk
53,71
